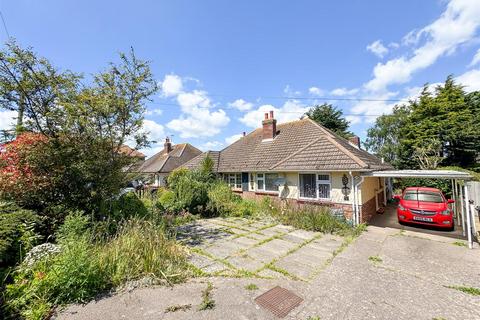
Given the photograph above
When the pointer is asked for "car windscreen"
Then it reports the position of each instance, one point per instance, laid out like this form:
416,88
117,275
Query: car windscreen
423,196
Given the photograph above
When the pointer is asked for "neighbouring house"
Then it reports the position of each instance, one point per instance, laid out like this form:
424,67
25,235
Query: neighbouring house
126,150
157,168
304,163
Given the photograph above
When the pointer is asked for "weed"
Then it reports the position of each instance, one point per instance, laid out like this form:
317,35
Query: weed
375,259
459,243
313,318
469,290
207,301
178,307
251,286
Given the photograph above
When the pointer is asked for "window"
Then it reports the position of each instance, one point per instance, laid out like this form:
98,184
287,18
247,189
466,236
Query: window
260,181
423,196
267,181
308,187
323,182
231,180
314,186
238,181
271,181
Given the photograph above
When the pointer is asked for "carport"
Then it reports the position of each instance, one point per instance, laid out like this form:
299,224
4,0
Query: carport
463,211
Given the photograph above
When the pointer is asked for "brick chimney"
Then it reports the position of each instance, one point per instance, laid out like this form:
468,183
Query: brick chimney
269,127
355,140
167,146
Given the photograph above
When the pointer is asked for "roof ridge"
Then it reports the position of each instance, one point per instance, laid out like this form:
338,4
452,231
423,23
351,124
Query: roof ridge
295,153
348,153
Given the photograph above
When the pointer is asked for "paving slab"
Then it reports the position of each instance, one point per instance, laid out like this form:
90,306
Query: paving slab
306,235
223,249
272,249
245,262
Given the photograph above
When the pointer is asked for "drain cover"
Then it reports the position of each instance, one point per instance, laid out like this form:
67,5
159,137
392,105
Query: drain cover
279,301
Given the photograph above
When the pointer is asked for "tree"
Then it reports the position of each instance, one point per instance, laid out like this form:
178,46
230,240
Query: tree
440,128
383,139
85,123
331,118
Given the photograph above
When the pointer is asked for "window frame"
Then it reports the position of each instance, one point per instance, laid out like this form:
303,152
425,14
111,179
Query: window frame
317,183
263,179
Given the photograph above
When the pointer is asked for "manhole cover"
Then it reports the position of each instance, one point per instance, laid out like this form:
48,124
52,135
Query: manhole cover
279,301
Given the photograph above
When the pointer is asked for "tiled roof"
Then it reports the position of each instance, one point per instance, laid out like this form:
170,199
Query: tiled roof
298,145
124,149
163,162
195,162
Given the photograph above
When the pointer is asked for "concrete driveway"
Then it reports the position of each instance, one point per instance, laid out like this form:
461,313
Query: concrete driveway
384,274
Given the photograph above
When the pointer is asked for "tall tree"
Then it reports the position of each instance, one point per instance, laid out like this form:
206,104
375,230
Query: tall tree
84,123
383,139
331,118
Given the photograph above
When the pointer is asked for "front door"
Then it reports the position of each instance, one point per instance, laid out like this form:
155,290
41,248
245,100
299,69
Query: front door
244,181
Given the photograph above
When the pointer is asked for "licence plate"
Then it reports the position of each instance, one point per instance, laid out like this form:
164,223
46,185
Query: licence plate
422,219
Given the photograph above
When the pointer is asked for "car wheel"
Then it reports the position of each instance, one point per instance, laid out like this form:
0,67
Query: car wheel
452,228
401,222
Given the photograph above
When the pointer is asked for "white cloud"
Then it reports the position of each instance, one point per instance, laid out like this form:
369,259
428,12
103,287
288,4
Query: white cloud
190,100
241,105
343,92
171,85
457,25
232,139
316,91
476,59
369,110
156,111
7,119
470,79
289,92
211,145
377,48
291,110
155,131
199,122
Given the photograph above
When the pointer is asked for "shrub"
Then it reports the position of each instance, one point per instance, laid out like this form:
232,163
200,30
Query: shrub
191,194
167,201
221,199
128,206
17,233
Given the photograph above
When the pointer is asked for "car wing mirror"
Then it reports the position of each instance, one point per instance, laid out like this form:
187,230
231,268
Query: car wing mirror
450,201
397,197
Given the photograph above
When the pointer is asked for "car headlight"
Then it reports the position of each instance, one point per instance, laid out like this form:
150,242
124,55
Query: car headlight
445,212
402,208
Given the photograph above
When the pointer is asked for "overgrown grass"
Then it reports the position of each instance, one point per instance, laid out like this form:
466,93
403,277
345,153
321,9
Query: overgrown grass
310,217
86,267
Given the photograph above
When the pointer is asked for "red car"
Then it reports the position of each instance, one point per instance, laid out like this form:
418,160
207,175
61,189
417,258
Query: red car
426,206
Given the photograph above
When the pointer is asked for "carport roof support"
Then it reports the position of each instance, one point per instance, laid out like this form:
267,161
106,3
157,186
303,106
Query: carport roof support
435,174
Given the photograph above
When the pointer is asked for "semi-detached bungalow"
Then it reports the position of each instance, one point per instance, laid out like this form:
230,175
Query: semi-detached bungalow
304,163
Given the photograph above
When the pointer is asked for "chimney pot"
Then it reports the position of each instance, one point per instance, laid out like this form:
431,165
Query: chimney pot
244,133
269,127
167,145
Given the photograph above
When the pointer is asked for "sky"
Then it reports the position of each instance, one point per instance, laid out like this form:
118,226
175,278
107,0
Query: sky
221,64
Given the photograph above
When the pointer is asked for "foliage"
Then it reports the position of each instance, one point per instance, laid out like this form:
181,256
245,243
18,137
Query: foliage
167,201
85,267
331,118
85,123
128,206
437,129
17,233
21,179
221,199
207,301
308,217
383,138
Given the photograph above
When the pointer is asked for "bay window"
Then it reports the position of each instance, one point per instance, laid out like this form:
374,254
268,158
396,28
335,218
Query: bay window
314,186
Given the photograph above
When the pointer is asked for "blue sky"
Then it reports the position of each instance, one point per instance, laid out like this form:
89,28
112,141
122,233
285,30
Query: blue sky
222,64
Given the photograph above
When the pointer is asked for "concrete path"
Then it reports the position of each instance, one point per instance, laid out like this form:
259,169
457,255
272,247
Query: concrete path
383,274
238,247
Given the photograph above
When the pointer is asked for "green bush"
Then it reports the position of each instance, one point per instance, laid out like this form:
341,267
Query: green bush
221,199
167,201
17,233
128,206
85,267
191,194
